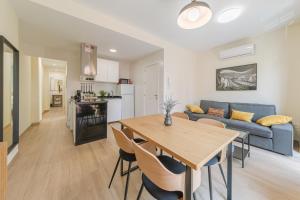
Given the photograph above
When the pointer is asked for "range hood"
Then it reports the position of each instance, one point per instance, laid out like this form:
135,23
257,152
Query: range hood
88,61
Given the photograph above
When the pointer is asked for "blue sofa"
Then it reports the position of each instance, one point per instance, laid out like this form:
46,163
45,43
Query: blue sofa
277,138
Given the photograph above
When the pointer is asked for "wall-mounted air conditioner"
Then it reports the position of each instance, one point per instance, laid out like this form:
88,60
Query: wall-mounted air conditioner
248,49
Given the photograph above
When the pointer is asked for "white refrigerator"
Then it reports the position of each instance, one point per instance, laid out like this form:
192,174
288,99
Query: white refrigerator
127,93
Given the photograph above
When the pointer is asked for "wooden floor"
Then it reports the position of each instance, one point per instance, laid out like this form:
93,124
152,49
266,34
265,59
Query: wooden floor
50,167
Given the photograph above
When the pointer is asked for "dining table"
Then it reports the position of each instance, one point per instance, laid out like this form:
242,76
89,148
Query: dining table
190,142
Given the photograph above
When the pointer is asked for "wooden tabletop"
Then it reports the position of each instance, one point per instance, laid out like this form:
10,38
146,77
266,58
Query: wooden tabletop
188,141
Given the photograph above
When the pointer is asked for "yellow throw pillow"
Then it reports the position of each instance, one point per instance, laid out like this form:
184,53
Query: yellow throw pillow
274,119
194,108
242,116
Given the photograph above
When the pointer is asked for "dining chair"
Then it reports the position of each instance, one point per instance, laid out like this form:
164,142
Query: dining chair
181,115
218,159
162,176
126,153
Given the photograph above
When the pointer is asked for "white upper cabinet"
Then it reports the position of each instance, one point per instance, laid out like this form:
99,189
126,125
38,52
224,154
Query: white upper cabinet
107,71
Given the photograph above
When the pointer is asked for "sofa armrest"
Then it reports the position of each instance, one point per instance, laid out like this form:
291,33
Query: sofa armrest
283,138
191,116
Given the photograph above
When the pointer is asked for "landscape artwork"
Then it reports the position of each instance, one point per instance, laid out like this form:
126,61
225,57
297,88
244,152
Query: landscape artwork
237,78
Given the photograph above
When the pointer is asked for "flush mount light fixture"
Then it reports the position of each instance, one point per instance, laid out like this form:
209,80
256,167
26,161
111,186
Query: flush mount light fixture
194,15
229,15
113,50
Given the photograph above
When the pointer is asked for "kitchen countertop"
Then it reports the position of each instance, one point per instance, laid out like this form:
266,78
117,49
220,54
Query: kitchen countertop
90,102
111,97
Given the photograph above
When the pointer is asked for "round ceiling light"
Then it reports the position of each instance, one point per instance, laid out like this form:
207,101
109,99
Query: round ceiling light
113,50
229,15
194,15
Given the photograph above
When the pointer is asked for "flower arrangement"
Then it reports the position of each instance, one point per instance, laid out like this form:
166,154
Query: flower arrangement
168,106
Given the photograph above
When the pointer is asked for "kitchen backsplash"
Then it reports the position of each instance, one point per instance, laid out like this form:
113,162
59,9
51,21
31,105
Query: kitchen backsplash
108,87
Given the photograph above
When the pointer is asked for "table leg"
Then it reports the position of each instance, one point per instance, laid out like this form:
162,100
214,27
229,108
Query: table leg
188,184
229,172
248,145
243,147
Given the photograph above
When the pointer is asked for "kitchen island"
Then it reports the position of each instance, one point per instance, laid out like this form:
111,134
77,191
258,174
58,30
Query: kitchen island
89,121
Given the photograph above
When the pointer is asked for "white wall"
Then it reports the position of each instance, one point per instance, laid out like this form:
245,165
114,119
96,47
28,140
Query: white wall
124,69
25,92
278,71
46,89
9,23
35,91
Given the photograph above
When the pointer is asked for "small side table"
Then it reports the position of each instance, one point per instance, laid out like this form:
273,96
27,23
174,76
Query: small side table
241,153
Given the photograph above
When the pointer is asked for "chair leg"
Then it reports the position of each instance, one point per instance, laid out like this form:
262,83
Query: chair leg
116,167
121,168
127,180
140,192
222,172
210,183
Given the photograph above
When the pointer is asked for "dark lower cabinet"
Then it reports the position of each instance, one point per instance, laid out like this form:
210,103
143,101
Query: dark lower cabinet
91,122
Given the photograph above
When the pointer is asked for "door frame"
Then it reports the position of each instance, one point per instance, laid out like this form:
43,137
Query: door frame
15,111
160,84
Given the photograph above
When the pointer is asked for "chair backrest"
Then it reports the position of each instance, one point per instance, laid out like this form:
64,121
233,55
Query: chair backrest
216,123
211,122
156,171
122,140
128,133
181,115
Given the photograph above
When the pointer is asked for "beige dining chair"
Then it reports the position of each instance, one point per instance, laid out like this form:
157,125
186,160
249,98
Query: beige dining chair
181,115
126,153
162,176
218,159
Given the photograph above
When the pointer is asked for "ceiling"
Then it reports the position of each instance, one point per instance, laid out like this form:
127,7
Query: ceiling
59,31
52,63
159,18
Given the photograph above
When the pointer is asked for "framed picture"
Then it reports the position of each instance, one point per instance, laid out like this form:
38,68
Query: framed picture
242,77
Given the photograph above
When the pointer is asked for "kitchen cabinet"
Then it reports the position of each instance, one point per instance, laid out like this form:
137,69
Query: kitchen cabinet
107,71
114,110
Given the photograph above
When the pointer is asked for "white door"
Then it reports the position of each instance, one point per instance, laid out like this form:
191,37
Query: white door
151,89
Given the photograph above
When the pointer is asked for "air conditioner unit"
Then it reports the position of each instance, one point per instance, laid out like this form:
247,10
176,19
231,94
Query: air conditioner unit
248,49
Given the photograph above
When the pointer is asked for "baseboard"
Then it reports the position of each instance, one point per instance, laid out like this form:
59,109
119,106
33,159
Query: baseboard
35,124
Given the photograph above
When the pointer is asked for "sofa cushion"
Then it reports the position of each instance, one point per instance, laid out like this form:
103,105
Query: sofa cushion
218,112
259,110
205,105
253,128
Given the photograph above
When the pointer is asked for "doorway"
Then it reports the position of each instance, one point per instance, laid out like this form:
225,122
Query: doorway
152,89
54,84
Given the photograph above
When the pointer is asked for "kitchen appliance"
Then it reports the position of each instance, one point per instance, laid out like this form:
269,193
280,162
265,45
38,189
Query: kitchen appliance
88,62
127,93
